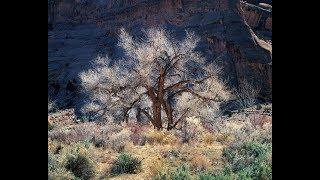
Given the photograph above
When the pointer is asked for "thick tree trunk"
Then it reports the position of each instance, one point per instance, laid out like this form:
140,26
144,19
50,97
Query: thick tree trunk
168,110
157,115
157,99
156,109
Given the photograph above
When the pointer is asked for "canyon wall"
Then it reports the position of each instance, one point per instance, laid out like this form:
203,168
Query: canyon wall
256,16
80,30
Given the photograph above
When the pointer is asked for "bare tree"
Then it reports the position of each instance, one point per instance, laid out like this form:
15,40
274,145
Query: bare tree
154,80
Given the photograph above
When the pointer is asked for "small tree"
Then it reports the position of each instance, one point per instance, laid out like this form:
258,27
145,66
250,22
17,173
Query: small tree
160,79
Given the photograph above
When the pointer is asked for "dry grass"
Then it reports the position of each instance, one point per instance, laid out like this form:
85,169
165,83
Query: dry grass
160,137
161,151
118,141
200,163
208,138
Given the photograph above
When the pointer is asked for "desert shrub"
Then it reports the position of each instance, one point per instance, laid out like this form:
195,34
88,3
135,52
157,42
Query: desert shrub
61,174
125,164
81,166
187,135
267,109
56,170
160,137
50,126
246,95
155,165
171,153
99,141
188,132
84,118
161,176
200,163
250,160
192,129
181,173
225,138
53,163
258,107
154,136
138,139
240,129
79,132
260,121
70,162
208,138
210,176
118,141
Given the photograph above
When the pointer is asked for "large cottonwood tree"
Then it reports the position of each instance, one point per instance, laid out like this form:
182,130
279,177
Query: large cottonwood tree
160,78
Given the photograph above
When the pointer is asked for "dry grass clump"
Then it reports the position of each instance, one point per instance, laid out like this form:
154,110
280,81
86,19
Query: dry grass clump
75,133
200,163
208,138
118,141
154,166
225,138
138,139
261,121
60,174
62,118
137,135
159,137
88,131
191,130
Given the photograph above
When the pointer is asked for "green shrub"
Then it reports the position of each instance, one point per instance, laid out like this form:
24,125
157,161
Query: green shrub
56,170
53,163
125,163
50,126
181,173
225,174
208,176
80,166
162,176
250,160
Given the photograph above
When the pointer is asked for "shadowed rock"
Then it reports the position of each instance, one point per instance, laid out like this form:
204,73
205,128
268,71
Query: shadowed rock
82,30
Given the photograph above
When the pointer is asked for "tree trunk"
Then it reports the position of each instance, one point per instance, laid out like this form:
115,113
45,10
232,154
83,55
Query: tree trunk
168,110
159,98
157,115
156,109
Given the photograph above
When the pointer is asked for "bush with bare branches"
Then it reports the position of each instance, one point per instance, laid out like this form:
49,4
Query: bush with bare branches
246,95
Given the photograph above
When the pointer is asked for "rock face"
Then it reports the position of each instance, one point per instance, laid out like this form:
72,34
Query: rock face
258,17
80,30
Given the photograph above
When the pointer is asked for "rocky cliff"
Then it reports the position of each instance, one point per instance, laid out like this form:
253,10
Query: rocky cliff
80,30
258,17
